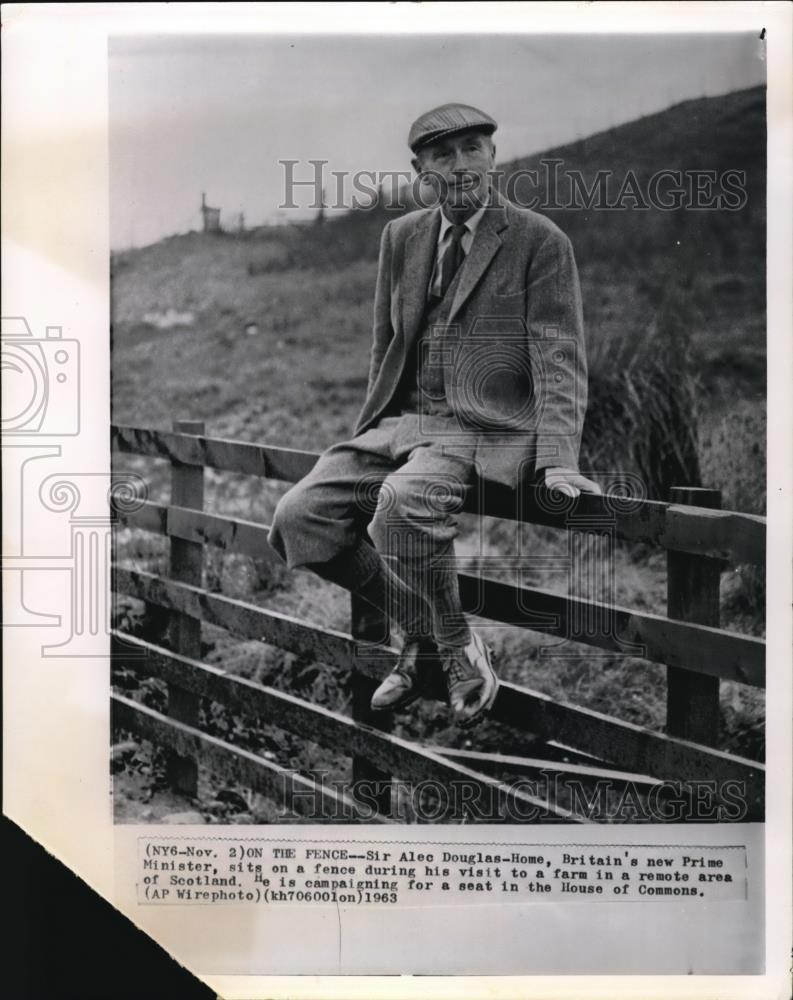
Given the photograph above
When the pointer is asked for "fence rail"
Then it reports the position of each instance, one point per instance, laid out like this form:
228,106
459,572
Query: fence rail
721,534
688,640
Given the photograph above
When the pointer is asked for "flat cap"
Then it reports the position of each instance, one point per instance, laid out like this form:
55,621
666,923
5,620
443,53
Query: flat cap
446,120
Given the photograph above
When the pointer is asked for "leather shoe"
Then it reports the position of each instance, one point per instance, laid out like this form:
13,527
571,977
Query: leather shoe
401,686
470,679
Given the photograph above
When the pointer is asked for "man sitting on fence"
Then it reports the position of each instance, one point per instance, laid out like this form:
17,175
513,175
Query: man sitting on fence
477,372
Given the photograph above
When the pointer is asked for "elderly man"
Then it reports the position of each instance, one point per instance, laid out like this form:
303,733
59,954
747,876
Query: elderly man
477,370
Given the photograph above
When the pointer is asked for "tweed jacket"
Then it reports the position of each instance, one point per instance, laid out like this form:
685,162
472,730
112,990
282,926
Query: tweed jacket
513,348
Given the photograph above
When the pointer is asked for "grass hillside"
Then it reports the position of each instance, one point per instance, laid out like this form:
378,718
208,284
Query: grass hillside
717,256
265,336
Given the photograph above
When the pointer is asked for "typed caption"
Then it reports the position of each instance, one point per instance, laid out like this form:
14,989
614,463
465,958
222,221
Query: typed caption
214,870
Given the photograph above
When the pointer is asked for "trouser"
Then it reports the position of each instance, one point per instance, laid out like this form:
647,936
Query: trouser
401,481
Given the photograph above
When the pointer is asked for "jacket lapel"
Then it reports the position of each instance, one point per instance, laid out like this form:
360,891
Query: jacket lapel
484,248
419,257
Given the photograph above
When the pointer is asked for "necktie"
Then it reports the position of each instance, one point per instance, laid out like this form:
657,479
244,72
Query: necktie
453,257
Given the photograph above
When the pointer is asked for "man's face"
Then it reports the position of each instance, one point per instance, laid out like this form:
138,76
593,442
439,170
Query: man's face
457,166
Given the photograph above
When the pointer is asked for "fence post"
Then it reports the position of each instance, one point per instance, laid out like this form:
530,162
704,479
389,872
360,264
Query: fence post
187,490
367,627
692,595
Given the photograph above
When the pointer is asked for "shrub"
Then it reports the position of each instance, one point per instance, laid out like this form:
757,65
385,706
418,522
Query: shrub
642,414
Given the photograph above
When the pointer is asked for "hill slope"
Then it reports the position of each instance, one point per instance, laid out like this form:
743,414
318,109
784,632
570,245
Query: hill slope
717,134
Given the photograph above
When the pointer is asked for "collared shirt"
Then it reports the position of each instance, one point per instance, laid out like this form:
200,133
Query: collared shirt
444,240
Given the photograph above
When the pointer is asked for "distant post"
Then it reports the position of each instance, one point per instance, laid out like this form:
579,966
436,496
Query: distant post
211,216
320,217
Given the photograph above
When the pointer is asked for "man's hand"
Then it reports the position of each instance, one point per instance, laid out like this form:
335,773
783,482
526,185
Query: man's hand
569,482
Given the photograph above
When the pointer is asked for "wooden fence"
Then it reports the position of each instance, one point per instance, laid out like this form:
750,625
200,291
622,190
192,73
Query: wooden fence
564,739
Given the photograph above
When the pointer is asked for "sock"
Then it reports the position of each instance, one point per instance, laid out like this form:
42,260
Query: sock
438,578
450,626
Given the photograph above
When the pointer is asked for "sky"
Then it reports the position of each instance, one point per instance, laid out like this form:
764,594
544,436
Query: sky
217,113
